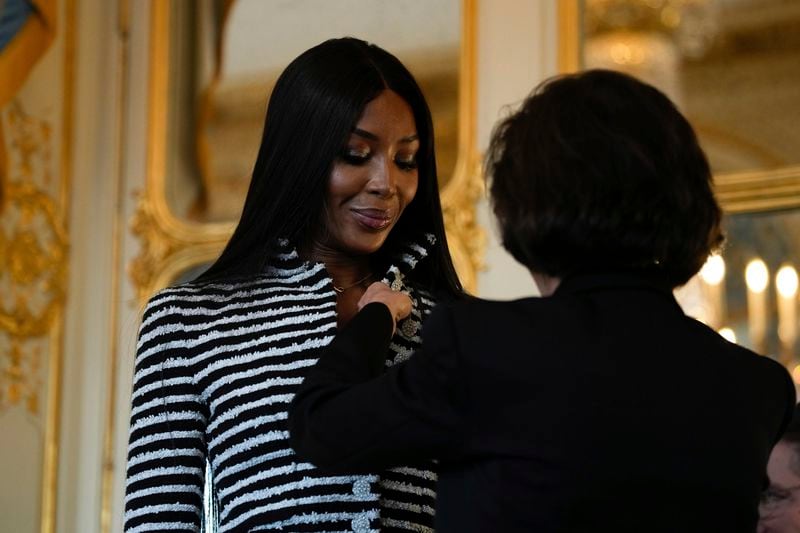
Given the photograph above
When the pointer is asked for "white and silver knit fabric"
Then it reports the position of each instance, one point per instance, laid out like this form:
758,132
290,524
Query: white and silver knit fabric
216,367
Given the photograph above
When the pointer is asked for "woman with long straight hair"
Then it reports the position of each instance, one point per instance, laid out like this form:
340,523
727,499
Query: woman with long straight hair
344,193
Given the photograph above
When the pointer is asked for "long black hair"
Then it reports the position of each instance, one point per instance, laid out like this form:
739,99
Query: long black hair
314,106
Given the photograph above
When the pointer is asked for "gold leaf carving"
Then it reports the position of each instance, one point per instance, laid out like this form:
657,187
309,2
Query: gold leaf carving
20,377
33,264
156,246
466,239
33,259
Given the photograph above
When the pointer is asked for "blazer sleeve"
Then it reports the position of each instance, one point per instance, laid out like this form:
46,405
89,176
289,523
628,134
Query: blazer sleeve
348,418
166,450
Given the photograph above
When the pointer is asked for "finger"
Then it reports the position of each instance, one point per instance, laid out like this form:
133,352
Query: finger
402,306
373,294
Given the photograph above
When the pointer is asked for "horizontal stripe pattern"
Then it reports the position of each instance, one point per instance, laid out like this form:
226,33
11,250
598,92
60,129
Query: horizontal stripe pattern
217,365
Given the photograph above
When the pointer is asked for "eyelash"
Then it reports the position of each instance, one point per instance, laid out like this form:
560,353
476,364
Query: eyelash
358,159
355,159
408,165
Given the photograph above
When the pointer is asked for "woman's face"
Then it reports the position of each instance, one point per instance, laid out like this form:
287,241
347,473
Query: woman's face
374,178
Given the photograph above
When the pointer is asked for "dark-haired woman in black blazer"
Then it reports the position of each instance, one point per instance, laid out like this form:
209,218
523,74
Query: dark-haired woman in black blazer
600,406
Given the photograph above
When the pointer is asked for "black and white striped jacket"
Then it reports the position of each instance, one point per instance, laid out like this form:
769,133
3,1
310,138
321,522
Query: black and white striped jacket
216,367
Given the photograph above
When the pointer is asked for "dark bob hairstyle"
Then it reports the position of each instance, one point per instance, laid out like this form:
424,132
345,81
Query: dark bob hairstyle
599,171
314,106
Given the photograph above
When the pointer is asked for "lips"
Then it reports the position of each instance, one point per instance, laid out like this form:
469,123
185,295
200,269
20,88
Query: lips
374,219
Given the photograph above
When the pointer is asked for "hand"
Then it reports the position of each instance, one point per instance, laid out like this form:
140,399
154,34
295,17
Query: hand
399,303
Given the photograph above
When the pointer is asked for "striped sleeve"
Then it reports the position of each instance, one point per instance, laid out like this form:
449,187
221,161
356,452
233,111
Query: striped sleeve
166,450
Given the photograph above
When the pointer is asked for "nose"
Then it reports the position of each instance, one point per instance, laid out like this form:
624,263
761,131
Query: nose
383,182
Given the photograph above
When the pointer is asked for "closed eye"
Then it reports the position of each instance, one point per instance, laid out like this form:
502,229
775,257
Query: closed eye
407,164
356,158
773,496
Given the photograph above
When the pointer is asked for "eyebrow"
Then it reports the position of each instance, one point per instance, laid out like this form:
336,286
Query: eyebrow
373,137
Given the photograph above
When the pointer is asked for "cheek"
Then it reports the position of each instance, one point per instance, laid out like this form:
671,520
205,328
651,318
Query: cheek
344,183
408,190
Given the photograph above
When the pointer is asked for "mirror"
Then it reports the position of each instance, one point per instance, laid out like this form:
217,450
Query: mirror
757,301
212,66
223,77
731,66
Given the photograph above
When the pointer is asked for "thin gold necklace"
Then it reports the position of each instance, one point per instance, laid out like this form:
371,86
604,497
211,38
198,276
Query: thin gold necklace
340,290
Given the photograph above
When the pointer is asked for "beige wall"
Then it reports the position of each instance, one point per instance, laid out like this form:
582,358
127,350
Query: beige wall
103,315
516,49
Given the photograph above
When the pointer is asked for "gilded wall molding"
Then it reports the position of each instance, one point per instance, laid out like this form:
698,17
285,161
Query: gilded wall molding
33,257
163,254
746,192
34,254
170,245
466,239
36,152
569,36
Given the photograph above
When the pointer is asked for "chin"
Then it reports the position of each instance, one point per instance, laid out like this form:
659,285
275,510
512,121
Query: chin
365,244
365,250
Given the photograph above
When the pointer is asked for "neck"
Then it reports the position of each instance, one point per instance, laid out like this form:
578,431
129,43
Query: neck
345,269
547,284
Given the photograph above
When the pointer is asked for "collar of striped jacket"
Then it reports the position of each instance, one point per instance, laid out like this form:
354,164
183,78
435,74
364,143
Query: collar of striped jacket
286,260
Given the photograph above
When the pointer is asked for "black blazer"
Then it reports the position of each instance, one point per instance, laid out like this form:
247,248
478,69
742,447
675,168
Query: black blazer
600,408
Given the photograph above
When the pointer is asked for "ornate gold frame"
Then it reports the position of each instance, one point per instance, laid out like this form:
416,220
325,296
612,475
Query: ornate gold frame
53,424
170,245
740,192
53,431
109,463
